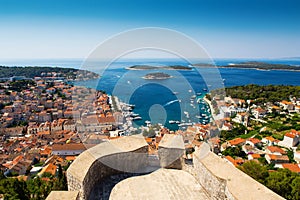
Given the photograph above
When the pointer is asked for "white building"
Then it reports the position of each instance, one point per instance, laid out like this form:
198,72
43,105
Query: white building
290,139
68,149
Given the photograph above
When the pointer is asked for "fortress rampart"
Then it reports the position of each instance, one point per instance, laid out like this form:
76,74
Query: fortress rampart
216,178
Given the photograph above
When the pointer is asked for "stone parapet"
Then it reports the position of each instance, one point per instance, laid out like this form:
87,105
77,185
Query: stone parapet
222,180
63,195
170,151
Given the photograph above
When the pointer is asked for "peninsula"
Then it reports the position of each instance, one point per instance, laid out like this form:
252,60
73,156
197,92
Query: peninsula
49,72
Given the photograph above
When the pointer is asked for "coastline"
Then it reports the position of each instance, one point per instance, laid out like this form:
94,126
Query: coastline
212,110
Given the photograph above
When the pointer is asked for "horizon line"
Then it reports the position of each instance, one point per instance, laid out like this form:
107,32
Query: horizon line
156,58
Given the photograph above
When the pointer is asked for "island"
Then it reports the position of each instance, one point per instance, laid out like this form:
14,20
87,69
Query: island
203,65
150,67
157,75
262,66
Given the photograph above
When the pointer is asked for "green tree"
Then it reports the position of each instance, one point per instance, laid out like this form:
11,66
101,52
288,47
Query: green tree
13,189
281,183
290,154
255,170
234,152
296,188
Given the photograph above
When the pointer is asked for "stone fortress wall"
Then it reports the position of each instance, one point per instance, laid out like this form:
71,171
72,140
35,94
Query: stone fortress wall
218,178
222,180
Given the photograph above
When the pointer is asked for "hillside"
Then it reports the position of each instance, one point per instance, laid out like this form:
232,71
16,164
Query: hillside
31,72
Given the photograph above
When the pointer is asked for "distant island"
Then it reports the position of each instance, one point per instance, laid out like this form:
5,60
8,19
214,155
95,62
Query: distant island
50,72
203,65
262,66
150,67
157,75
245,65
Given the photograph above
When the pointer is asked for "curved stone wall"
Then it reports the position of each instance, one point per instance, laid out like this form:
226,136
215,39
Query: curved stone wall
127,154
218,178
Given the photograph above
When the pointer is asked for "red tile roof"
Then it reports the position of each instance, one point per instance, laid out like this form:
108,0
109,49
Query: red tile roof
73,146
274,149
291,166
255,156
254,140
236,141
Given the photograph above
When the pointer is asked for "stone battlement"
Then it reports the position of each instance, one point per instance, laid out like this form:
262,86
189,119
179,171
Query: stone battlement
210,177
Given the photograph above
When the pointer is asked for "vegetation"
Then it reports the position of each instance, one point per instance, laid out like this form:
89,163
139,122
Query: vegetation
234,152
36,188
263,94
263,66
31,72
21,85
157,75
237,131
283,181
255,170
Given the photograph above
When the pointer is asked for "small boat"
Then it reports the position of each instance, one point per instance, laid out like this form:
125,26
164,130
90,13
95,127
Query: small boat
137,118
198,116
204,89
175,93
193,97
186,124
147,122
190,90
177,122
171,122
134,115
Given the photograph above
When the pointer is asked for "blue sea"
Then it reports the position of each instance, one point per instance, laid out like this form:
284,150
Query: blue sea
177,98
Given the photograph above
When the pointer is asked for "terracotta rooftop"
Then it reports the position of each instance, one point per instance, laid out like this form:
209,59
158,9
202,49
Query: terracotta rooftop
255,156
279,157
254,140
236,141
274,149
292,134
50,168
270,138
292,166
72,146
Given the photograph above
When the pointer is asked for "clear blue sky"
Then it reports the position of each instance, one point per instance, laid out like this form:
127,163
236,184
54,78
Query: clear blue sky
73,28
